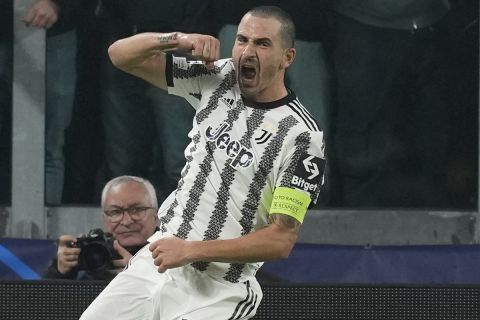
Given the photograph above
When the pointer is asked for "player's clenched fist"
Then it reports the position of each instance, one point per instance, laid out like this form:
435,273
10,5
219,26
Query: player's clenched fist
201,47
169,253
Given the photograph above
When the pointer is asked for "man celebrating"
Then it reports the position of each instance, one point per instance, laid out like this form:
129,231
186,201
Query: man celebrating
253,166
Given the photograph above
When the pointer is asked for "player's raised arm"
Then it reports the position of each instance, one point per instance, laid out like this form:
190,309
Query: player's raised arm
143,55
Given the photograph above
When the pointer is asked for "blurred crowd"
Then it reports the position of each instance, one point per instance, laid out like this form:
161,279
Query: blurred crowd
393,84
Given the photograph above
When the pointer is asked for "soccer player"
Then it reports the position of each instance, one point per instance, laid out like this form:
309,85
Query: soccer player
254,165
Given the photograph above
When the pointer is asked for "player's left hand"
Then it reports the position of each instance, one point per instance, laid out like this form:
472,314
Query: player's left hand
168,253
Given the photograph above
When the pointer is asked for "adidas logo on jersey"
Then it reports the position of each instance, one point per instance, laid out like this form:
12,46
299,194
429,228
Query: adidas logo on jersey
241,156
228,101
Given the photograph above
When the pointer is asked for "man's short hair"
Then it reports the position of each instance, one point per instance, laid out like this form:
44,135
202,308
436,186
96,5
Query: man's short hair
124,179
287,29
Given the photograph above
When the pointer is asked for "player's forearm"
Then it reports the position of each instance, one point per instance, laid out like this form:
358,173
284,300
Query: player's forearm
142,55
133,51
271,243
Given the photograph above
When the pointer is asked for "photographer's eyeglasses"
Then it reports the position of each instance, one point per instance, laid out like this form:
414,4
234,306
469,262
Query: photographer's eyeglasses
135,213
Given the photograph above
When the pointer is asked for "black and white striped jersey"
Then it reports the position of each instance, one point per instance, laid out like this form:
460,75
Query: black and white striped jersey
239,153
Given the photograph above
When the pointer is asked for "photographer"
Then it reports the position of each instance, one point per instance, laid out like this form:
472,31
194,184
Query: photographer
129,206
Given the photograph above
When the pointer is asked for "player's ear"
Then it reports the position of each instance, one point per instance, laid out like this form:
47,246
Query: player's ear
288,57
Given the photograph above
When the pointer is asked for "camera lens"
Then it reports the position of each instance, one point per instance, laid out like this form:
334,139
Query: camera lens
96,257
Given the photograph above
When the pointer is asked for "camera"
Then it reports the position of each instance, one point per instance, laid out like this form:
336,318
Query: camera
97,251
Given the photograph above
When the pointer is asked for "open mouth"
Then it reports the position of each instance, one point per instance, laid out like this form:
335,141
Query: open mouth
248,72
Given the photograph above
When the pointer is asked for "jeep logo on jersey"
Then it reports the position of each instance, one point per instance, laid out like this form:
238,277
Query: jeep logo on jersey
240,155
308,173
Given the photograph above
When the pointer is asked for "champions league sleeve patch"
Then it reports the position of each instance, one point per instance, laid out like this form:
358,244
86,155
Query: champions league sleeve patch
308,173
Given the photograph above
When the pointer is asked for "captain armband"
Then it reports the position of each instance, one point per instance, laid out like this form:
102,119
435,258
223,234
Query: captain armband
291,202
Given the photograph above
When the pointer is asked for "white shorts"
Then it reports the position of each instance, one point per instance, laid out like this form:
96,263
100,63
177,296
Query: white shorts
142,293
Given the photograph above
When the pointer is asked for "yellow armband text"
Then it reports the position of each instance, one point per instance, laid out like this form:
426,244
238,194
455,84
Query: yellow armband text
291,202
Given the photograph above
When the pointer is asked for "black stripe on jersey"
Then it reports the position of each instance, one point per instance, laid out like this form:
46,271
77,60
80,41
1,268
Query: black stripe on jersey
193,71
302,143
247,307
197,96
168,69
220,213
195,194
171,212
265,165
252,306
227,83
234,272
249,301
241,303
206,165
308,115
228,175
258,182
303,113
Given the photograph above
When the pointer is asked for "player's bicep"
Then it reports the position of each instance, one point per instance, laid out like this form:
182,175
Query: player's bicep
152,70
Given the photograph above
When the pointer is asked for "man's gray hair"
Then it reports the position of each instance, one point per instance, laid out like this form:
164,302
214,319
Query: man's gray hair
125,179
